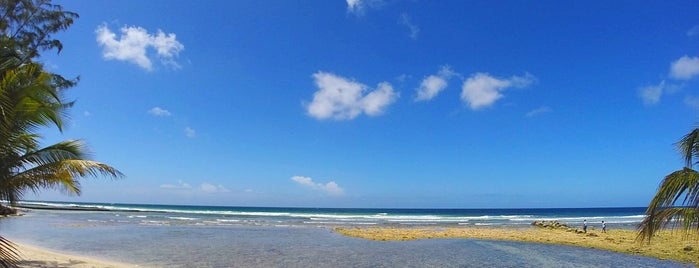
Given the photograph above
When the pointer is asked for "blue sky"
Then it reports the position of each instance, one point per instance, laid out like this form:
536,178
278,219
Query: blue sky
368,103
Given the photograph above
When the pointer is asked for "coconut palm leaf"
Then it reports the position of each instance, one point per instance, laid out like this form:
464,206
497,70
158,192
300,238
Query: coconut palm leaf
9,256
682,219
72,149
31,99
676,203
62,175
688,146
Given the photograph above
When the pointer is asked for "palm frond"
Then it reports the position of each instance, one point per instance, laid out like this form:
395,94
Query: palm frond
9,256
71,149
33,99
681,183
683,219
676,202
688,147
61,175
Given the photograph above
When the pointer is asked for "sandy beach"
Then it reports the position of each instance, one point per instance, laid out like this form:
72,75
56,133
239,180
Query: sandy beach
667,245
37,257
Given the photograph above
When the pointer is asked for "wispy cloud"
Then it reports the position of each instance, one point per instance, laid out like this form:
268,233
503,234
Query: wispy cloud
434,84
157,111
133,44
204,187
539,111
684,68
403,77
179,185
342,99
330,187
694,31
190,132
358,7
414,30
651,94
210,188
482,90
354,6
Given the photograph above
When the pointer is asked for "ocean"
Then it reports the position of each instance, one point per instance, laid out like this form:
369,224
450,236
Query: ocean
623,217
211,236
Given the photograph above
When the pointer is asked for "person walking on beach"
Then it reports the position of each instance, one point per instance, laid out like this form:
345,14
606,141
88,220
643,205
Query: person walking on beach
585,226
604,227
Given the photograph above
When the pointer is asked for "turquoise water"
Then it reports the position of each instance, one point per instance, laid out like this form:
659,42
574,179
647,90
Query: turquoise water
279,237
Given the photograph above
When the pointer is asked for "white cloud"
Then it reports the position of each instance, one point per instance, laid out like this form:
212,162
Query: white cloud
180,185
539,111
133,43
414,30
430,87
204,187
358,7
210,188
694,31
685,68
651,94
434,84
157,111
330,187
354,6
190,132
341,99
482,90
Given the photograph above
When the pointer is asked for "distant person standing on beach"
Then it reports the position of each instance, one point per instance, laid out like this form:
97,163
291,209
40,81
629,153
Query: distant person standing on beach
585,226
604,227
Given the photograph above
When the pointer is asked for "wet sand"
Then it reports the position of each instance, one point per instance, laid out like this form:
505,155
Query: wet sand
37,257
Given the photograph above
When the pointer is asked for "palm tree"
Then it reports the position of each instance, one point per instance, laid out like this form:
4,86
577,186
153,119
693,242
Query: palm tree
676,203
30,99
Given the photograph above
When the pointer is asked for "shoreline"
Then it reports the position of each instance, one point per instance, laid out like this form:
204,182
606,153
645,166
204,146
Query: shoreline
33,256
666,245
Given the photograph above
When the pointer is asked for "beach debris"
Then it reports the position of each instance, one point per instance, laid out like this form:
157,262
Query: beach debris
559,226
550,224
6,210
688,248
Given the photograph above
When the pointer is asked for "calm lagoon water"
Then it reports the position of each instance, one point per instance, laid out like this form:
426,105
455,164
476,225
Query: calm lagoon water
164,239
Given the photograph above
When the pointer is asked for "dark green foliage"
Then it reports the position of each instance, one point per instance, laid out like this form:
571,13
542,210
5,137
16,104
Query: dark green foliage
27,25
